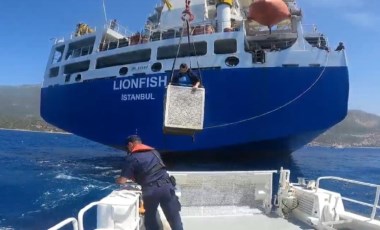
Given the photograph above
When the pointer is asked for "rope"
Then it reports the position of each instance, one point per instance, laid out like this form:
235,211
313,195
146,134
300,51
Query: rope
186,14
196,57
188,41
187,20
176,56
190,17
187,17
278,108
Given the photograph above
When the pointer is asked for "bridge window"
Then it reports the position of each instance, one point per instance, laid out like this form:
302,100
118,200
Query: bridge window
80,48
124,58
225,46
53,72
195,49
77,67
58,52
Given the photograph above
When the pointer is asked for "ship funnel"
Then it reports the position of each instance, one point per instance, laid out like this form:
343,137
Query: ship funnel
223,12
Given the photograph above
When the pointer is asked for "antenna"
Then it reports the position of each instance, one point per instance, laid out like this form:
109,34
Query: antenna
104,10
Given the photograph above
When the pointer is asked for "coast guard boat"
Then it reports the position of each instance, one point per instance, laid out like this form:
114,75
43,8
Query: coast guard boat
267,90
244,200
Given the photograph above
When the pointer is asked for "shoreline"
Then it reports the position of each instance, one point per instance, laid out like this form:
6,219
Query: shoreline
34,131
344,147
307,145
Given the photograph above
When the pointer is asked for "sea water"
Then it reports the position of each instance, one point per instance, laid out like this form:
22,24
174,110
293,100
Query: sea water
45,177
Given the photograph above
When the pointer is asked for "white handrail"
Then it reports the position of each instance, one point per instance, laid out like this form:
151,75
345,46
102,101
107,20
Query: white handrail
87,207
374,206
359,202
373,214
65,222
345,180
82,211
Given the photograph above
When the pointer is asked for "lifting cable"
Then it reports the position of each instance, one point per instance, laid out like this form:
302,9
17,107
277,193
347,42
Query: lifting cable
176,56
187,17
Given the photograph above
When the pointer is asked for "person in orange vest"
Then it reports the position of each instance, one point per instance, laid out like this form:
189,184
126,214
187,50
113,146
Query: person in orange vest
144,166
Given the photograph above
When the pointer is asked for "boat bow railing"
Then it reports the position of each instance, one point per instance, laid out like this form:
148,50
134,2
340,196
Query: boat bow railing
374,206
63,223
78,224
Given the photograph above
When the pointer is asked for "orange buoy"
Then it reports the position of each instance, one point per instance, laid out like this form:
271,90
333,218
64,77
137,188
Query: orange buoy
268,12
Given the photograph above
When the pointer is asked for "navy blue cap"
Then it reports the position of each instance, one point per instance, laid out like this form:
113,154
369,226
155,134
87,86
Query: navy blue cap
133,138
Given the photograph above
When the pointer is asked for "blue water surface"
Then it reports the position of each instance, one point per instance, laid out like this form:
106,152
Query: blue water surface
45,177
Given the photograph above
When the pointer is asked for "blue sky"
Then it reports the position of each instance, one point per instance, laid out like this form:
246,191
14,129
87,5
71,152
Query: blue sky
26,28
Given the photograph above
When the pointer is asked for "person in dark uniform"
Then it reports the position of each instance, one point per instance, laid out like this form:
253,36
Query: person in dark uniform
186,77
144,166
113,24
340,47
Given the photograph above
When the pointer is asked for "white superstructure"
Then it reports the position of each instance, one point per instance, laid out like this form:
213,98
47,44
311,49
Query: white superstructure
221,37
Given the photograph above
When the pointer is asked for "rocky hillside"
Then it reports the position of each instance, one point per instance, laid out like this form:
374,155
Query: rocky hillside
359,129
20,108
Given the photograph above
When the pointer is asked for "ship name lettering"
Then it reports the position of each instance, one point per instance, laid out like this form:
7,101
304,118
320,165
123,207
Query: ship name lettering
137,97
140,82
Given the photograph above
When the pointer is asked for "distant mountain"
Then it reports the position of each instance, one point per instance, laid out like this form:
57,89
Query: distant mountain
20,109
358,129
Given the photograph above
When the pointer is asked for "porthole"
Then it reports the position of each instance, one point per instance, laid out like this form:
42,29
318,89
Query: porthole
156,67
232,61
123,71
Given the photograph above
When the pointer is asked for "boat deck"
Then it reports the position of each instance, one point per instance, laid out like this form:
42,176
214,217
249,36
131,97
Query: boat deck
229,200
241,222
237,200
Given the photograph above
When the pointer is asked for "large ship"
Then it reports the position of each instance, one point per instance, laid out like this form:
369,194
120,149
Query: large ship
272,84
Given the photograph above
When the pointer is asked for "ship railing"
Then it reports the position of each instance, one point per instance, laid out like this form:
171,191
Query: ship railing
374,206
115,26
257,29
156,35
195,29
310,28
58,40
63,223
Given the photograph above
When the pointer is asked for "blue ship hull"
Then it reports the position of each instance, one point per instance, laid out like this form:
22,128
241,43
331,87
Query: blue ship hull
256,110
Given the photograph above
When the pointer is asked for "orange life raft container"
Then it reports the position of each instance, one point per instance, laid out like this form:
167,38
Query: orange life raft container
268,12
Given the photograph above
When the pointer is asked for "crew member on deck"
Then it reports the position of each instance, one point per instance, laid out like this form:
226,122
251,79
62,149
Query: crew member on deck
113,24
340,47
144,166
186,77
